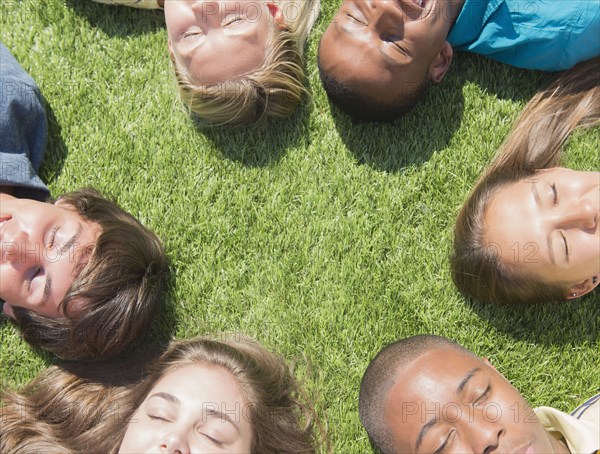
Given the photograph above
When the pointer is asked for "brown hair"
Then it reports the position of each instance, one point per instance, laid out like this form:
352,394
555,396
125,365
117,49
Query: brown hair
119,289
571,101
273,90
63,412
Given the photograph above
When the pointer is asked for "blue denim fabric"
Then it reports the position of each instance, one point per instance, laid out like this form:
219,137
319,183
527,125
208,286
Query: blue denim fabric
23,130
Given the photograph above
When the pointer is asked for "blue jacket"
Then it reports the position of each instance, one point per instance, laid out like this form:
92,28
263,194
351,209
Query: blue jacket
549,35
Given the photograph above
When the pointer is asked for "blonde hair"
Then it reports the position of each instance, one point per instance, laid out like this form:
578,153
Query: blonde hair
273,90
63,412
571,101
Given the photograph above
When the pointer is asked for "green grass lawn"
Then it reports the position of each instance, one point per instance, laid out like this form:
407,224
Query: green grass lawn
321,238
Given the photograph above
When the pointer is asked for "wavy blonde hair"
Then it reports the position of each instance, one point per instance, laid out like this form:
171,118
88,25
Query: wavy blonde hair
273,90
62,411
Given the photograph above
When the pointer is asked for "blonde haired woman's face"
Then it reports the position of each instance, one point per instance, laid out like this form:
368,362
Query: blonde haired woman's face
193,409
216,41
549,225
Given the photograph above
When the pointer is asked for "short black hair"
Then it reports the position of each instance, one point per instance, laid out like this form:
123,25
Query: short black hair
380,377
361,107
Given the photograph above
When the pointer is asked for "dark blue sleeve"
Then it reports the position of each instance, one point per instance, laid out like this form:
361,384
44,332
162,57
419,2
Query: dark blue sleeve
23,130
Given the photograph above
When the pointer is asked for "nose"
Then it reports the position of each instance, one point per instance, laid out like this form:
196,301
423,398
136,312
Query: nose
174,443
20,251
581,214
206,9
388,20
485,430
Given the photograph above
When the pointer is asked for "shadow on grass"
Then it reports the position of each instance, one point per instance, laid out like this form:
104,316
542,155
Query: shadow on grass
410,140
570,322
118,20
56,150
431,124
261,147
47,358
503,81
125,370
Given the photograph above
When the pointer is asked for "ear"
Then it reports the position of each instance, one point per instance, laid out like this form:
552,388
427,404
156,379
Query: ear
582,288
7,309
487,361
276,14
441,63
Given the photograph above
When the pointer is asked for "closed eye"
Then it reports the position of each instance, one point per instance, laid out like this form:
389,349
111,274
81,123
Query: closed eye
214,441
232,21
158,418
444,445
566,245
555,193
354,19
396,42
483,397
52,237
191,35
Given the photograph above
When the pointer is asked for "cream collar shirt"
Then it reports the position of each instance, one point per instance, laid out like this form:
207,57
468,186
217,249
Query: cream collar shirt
580,430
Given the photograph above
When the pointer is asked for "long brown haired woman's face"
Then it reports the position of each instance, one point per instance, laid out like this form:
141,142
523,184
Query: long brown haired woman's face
215,41
41,245
548,225
193,409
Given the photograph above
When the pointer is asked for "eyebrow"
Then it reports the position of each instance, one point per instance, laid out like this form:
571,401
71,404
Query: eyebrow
463,383
71,241
424,430
459,389
63,250
168,397
538,200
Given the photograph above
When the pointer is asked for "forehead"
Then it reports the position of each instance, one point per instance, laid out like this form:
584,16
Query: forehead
435,369
424,386
516,201
200,383
249,53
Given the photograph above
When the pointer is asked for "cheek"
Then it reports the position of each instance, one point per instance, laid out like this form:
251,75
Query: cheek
139,437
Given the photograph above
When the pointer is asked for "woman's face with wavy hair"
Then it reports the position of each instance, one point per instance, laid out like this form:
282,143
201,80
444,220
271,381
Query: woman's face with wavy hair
216,41
196,408
548,226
